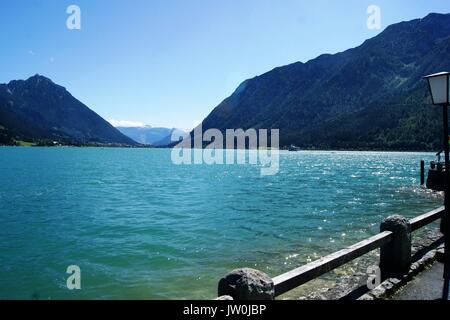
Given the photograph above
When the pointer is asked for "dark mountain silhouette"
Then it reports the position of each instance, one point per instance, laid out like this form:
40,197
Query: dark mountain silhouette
39,110
369,97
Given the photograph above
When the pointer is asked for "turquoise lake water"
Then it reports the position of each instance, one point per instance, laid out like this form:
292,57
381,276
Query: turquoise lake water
140,227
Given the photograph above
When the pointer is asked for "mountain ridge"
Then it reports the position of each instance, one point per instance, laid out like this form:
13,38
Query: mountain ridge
41,111
354,99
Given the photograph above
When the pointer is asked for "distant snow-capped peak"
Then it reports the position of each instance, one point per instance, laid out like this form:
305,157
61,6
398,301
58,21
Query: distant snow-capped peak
127,124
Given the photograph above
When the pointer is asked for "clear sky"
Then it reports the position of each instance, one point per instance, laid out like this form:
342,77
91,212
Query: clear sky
170,62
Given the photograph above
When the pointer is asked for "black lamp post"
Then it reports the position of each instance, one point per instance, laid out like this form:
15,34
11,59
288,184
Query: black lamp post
439,85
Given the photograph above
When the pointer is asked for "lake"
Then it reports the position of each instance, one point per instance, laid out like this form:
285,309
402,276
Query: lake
141,227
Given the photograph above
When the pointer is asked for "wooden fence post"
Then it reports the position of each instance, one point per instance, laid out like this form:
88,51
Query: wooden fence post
422,172
395,256
247,284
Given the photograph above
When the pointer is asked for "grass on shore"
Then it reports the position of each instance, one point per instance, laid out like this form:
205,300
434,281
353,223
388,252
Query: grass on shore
25,143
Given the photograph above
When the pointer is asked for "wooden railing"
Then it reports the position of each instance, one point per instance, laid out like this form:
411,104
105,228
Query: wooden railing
295,278
427,218
394,240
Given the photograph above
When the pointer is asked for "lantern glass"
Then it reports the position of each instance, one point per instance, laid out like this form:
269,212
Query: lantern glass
439,87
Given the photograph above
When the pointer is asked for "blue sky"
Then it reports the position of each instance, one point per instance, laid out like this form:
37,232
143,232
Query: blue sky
170,62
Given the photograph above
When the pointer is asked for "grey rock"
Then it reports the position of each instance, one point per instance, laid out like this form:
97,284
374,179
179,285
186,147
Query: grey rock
247,284
395,224
225,298
366,297
379,291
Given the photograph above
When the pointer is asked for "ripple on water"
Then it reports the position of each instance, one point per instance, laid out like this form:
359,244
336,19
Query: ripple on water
141,227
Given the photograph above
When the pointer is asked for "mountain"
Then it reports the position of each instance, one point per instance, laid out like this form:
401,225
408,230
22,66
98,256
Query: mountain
41,111
175,135
371,97
152,136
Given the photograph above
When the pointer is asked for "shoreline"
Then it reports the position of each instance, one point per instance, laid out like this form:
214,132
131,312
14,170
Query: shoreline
170,148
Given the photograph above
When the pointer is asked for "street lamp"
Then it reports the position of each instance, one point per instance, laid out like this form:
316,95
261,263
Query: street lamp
439,85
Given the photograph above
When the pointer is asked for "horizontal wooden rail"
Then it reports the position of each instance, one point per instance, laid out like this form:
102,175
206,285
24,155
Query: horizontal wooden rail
294,278
427,218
